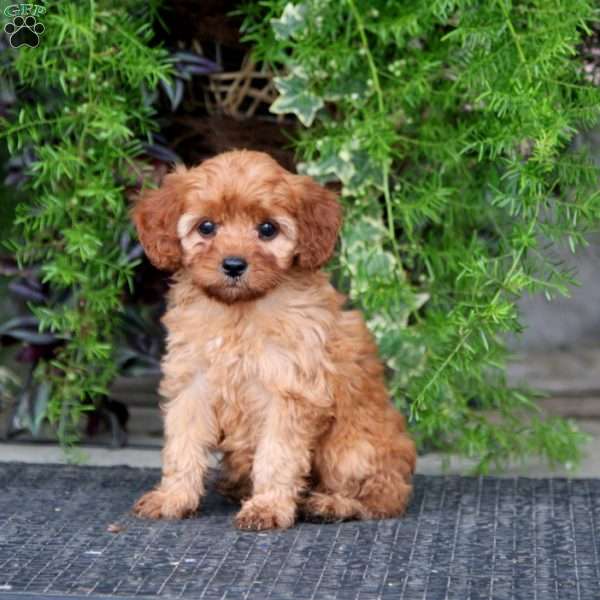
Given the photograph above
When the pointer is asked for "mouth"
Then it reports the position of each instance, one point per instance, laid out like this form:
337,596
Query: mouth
232,289
234,282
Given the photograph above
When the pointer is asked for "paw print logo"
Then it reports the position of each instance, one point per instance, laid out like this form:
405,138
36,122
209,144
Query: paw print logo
24,32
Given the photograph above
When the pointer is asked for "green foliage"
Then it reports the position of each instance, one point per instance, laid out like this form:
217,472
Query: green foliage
90,77
448,123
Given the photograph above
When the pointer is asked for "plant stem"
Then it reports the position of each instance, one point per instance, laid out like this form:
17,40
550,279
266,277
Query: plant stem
385,170
515,263
515,37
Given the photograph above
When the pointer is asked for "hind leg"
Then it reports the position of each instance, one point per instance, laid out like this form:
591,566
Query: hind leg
381,496
234,490
235,481
363,479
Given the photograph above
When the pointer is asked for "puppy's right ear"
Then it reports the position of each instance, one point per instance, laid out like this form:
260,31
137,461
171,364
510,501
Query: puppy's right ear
155,216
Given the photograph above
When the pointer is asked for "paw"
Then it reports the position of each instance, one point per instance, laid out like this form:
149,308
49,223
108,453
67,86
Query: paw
161,504
324,507
266,512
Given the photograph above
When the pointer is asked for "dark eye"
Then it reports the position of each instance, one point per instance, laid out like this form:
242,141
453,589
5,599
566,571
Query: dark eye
267,230
207,228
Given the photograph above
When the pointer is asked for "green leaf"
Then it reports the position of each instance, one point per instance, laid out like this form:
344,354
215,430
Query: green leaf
455,154
295,97
292,21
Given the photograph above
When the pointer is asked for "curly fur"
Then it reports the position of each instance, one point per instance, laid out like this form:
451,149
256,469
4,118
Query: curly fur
269,369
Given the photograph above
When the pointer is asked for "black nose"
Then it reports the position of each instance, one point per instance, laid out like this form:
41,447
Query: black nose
234,266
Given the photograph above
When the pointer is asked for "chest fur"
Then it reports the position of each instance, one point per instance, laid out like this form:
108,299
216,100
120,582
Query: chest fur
235,350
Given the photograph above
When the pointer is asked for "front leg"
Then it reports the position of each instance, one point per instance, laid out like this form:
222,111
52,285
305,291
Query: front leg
190,434
281,464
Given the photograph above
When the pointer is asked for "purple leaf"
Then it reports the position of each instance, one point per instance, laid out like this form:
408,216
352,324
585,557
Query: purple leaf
25,291
162,153
196,59
174,91
195,70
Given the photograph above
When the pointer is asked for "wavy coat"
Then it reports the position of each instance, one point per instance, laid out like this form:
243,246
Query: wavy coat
267,367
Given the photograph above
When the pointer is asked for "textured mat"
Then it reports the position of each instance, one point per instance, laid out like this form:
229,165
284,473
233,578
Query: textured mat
463,538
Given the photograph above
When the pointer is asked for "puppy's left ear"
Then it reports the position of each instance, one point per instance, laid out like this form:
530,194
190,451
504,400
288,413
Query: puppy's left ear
319,219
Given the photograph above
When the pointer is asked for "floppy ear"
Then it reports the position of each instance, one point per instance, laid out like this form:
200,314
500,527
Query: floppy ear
155,216
319,219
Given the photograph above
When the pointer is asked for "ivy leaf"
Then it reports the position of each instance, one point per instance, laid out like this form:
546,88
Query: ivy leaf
379,264
296,98
329,168
354,168
365,229
292,21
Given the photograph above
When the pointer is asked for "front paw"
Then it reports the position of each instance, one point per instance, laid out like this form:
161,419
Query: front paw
165,504
266,512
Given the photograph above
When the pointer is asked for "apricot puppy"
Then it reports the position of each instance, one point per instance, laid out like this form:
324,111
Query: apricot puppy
262,362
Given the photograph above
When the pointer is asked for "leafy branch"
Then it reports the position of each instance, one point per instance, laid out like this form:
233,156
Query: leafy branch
450,130
83,129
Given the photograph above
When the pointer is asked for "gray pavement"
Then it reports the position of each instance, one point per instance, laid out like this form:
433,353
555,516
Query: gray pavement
69,533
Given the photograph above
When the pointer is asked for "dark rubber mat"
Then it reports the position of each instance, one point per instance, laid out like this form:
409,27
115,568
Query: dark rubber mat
462,539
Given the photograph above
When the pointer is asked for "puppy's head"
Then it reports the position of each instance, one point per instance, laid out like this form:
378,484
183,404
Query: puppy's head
237,223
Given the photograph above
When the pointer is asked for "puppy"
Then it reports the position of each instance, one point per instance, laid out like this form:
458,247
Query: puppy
262,363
